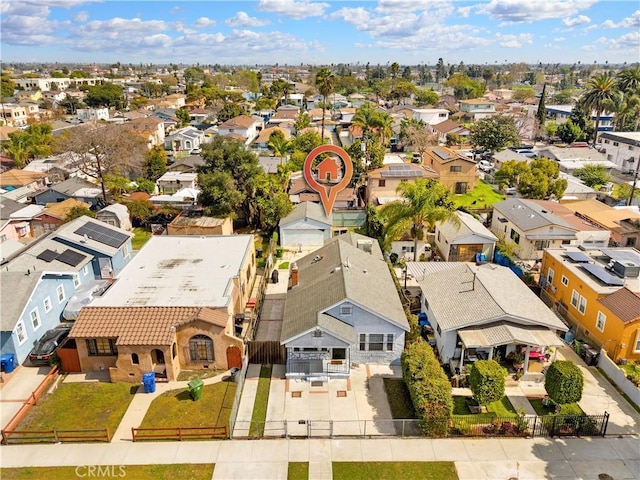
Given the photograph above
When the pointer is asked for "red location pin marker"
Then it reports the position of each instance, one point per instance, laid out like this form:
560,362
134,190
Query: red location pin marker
328,193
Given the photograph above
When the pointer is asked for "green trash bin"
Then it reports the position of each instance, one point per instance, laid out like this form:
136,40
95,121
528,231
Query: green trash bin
195,388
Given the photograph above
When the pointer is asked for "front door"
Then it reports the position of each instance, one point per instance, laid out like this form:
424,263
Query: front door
234,357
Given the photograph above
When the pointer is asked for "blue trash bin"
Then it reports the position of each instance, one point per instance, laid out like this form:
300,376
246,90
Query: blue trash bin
149,382
8,362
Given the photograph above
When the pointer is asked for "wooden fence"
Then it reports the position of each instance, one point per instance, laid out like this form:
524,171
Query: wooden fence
13,437
266,352
178,433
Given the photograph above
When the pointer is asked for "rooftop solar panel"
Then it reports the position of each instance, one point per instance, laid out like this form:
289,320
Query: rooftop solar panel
102,234
441,154
623,256
601,274
399,167
578,257
71,258
48,255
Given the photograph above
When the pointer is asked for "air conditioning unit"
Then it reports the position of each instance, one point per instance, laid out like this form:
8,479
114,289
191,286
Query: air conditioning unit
552,288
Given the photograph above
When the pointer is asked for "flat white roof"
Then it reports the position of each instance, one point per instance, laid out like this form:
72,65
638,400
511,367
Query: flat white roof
180,271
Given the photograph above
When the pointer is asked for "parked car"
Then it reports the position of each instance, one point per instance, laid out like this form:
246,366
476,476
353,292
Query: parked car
196,151
485,165
45,347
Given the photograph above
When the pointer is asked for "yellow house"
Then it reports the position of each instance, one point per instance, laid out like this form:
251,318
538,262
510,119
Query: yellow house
597,292
457,172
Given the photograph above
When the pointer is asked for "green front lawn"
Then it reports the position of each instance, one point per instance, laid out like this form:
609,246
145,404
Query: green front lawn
632,371
501,408
298,471
541,410
483,196
262,399
399,398
139,472
81,406
284,266
394,470
141,235
176,408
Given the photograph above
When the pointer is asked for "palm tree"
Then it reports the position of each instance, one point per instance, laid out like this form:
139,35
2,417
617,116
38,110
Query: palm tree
601,92
326,83
628,82
425,202
279,145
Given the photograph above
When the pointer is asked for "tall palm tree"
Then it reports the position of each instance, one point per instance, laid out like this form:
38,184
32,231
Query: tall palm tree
628,82
279,145
326,83
601,93
425,202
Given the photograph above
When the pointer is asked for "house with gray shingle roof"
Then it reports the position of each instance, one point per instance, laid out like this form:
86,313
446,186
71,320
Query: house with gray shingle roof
343,308
486,311
306,226
462,241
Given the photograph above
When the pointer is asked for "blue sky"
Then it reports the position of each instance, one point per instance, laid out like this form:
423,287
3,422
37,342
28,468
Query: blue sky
320,32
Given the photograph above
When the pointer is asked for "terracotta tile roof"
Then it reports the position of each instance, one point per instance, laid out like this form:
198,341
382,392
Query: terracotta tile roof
241,121
140,325
624,304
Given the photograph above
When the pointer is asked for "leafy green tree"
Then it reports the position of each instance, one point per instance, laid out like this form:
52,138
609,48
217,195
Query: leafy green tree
229,111
600,94
563,97
495,133
279,145
522,93
551,128
26,145
581,116
508,175
542,180
271,200
569,132
193,75
77,212
541,113
424,202
487,381
628,113
184,116
426,97
325,83
465,87
155,163
7,87
266,103
564,382
144,185
138,102
306,142
79,74
415,135
402,89
106,95
117,185
218,193
303,121
593,175
139,210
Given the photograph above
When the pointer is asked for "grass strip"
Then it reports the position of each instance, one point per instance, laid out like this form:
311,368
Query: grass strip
259,415
139,472
394,470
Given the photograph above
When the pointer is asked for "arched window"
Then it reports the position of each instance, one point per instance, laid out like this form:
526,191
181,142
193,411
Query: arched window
174,351
134,359
201,348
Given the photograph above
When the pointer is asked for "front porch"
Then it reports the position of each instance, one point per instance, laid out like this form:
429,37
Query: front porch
321,362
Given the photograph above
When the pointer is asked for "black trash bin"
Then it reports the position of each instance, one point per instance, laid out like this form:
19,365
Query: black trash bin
149,382
234,374
274,276
8,362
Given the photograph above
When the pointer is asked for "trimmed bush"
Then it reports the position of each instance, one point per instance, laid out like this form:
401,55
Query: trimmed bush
486,380
429,388
564,382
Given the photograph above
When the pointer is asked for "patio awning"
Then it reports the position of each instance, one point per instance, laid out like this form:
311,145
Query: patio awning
503,333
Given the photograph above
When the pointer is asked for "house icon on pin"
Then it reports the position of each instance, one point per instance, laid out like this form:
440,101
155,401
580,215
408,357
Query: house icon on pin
329,170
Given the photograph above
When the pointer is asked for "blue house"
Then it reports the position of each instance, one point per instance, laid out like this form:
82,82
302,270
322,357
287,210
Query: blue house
36,283
74,187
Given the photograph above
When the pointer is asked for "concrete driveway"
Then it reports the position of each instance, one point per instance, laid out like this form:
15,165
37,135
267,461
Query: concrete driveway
17,387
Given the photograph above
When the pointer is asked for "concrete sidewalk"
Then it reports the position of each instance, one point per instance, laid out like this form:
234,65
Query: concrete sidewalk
540,458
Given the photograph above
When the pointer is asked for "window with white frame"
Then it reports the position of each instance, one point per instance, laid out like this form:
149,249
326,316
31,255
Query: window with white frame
85,269
390,339
550,275
60,293
600,321
375,342
346,309
637,347
47,304
582,306
564,280
35,318
575,296
21,334
76,280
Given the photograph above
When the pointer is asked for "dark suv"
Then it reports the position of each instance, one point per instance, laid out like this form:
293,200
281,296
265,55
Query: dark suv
46,346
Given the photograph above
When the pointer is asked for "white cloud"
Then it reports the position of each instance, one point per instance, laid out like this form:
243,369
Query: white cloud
294,9
514,41
627,41
464,12
387,6
241,19
204,22
559,39
630,22
354,16
574,22
527,11
81,17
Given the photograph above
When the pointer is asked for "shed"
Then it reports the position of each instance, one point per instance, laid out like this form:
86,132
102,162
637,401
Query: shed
306,226
116,215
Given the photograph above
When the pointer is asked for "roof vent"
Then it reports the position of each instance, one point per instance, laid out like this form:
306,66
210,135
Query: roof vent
337,269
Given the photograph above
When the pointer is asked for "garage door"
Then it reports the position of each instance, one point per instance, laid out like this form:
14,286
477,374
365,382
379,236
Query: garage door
294,238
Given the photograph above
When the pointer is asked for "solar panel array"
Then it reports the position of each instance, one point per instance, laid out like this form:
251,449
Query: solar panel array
400,167
47,255
578,257
441,154
71,258
102,234
627,257
601,274
401,173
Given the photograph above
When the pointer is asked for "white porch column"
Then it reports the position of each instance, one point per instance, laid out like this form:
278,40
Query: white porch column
526,360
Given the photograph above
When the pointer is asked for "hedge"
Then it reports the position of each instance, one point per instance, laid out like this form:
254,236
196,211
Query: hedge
564,382
486,380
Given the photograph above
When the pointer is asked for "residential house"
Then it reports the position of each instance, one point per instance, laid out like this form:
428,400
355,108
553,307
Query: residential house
621,148
262,141
383,183
92,114
194,222
460,242
488,312
307,226
57,167
74,187
597,292
561,113
152,129
184,199
172,181
117,215
477,108
570,159
242,126
356,100
22,185
38,281
7,226
431,116
187,164
622,222
188,139
13,115
342,309
449,127
18,224
531,227
159,317
53,215
282,115
457,172
576,189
